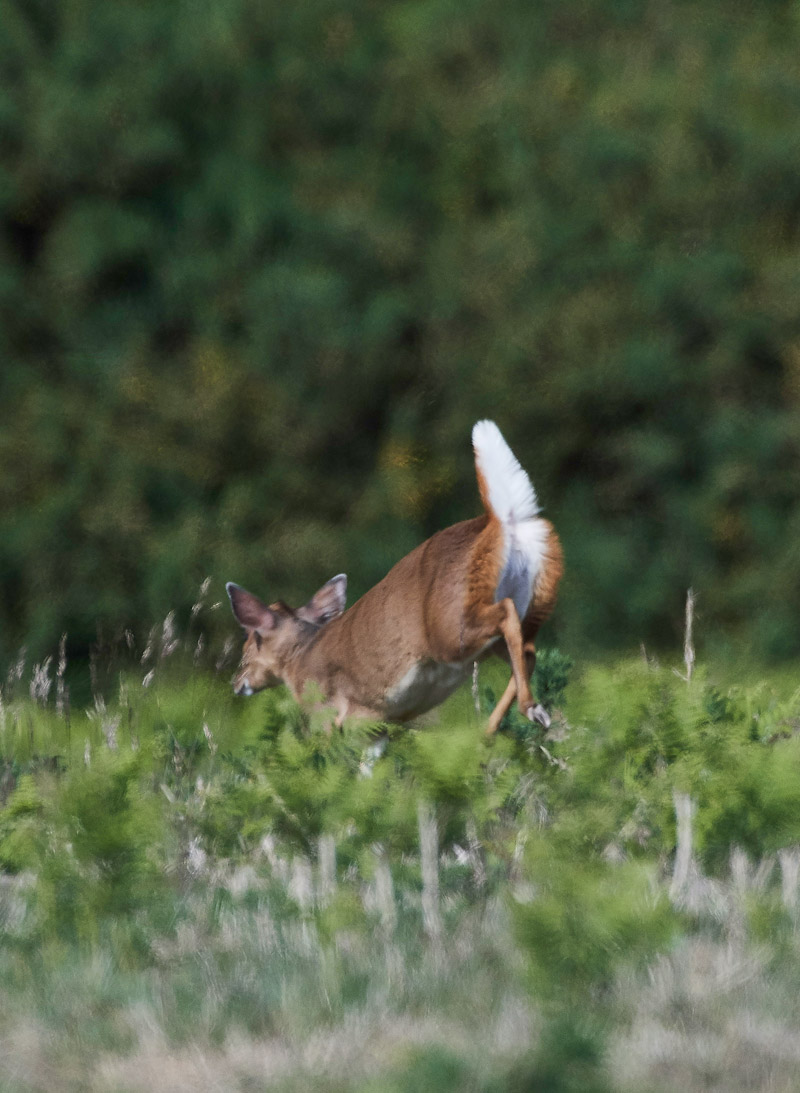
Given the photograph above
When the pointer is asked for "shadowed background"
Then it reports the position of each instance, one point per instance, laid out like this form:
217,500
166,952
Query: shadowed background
262,266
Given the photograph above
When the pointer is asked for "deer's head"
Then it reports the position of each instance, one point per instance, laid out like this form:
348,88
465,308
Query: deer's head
275,632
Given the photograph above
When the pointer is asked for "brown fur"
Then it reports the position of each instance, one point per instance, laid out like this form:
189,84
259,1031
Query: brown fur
435,608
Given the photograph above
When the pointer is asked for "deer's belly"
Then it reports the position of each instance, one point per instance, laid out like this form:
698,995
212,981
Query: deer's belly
425,685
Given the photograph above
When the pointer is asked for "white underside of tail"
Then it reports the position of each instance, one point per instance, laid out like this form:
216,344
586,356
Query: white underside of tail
513,501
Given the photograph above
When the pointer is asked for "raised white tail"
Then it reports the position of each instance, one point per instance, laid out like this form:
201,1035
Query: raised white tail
479,587
509,496
509,492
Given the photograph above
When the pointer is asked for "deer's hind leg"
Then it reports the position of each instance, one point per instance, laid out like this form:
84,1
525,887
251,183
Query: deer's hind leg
501,619
501,709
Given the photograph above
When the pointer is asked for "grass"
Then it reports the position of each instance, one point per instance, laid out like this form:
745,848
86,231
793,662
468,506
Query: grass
199,892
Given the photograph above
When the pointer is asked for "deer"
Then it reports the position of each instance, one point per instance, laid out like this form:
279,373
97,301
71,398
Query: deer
478,588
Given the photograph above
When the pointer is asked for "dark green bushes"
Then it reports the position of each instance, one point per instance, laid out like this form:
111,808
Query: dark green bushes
263,270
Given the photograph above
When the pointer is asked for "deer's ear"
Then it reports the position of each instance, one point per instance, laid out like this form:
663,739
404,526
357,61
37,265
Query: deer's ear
326,604
249,611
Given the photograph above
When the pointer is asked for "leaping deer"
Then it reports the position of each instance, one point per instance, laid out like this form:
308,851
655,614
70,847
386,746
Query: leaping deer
480,587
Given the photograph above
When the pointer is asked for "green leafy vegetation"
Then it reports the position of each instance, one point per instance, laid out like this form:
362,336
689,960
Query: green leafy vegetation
221,889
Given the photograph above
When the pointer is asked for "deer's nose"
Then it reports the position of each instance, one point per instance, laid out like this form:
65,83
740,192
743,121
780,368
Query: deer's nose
243,688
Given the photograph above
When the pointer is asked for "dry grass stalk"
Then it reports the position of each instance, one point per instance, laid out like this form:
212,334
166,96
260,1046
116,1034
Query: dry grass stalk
789,861
212,744
326,871
384,890
301,885
150,645
201,597
62,693
688,643
685,809
429,856
169,641
110,726
476,856
41,682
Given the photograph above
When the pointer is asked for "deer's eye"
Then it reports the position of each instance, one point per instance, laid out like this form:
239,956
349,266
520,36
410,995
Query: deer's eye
258,639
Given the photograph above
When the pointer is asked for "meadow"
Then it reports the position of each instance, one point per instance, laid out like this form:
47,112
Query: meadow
262,267
199,892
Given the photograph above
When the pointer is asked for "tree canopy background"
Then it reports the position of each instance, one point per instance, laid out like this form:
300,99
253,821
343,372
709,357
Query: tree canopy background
263,265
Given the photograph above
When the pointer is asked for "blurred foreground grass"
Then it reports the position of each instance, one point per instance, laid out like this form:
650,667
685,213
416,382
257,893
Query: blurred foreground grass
199,892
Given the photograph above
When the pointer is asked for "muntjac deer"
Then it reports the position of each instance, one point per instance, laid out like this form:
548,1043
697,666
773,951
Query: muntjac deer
479,587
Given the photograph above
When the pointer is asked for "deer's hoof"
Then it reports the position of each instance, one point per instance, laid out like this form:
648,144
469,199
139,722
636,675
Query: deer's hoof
540,714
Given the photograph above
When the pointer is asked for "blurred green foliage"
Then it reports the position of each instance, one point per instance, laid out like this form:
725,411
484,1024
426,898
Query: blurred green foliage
262,267
194,762
166,850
